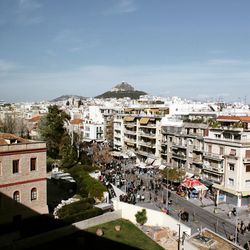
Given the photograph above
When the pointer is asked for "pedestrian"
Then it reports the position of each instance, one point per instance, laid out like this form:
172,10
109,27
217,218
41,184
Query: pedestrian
243,228
230,214
238,227
231,237
247,245
143,197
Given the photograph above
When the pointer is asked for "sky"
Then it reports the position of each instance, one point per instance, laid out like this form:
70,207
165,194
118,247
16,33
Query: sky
188,48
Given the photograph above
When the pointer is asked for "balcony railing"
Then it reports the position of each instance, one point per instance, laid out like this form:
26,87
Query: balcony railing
179,156
213,169
147,144
213,156
184,146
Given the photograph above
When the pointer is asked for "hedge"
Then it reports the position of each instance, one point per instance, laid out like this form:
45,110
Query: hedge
90,213
86,185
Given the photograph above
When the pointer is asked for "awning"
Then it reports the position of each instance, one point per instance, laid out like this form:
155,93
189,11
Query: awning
157,162
162,167
200,188
144,121
129,118
130,144
224,189
245,193
149,161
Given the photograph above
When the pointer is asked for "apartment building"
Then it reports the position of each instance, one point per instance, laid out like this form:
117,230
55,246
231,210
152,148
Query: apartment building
23,181
227,158
118,141
142,132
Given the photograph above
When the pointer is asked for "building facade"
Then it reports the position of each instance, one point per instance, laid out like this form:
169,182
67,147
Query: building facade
23,181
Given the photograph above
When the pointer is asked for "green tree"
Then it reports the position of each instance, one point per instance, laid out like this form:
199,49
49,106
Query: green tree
141,217
173,174
68,152
52,130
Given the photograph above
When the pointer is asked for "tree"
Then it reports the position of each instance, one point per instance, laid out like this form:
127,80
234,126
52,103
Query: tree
52,130
173,174
141,217
68,152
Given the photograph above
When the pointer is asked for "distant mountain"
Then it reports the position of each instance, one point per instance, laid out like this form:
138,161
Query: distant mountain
66,97
122,90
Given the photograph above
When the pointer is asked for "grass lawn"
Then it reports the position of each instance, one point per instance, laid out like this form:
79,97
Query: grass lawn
128,238
129,234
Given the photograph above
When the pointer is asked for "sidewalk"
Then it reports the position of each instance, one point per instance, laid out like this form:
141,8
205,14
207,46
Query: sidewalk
222,210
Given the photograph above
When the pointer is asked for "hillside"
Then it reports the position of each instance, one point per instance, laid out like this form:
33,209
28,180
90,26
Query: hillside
122,90
66,97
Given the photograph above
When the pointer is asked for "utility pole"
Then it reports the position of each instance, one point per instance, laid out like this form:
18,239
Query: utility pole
236,232
167,191
179,237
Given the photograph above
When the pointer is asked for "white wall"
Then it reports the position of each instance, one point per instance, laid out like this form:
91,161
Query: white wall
155,218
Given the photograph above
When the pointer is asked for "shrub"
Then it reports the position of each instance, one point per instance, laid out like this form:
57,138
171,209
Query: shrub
73,208
141,217
90,213
86,185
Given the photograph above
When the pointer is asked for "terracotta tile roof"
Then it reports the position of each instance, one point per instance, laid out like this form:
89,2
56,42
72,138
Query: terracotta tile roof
35,119
76,121
234,118
6,138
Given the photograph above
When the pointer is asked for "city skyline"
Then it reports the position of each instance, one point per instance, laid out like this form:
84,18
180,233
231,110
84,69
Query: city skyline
169,48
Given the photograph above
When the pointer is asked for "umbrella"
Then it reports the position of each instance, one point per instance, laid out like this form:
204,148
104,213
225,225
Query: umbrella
190,183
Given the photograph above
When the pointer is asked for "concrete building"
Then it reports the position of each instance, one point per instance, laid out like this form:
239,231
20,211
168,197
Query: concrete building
23,181
227,158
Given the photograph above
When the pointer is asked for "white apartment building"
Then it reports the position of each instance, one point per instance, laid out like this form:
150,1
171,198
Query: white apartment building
142,132
118,141
93,124
227,158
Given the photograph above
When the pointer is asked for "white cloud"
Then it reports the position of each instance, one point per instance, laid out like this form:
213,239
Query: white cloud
75,40
29,5
6,67
191,80
28,12
121,7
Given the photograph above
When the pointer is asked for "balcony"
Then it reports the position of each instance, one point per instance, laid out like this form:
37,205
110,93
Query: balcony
130,140
148,154
147,144
149,125
246,160
183,146
130,132
213,156
179,156
197,160
198,149
130,124
214,170
150,135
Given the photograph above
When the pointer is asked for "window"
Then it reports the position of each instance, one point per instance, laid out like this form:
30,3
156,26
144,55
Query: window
170,139
217,136
32,164
33,194
247,168
231,166
16,196
221,151
15,166
247,183
247,153
231,182
209,149
232,152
